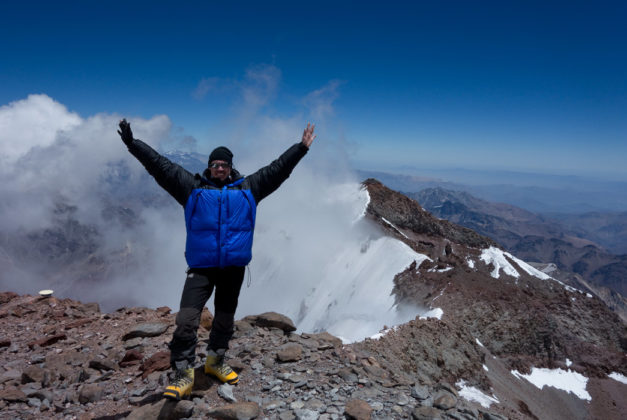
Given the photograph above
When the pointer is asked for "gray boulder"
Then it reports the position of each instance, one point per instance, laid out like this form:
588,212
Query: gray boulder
271,320
236,411
147,329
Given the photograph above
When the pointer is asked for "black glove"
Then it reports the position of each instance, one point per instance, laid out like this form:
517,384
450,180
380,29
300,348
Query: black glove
125,132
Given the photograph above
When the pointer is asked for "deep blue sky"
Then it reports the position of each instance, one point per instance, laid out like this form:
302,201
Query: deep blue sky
520,85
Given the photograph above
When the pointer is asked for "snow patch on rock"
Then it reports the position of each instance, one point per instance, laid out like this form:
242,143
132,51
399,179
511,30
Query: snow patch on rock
433,313
441,270
496,257
618,377
472,393
566,380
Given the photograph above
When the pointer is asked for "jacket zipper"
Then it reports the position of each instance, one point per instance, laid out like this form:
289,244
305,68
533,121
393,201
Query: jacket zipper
220,261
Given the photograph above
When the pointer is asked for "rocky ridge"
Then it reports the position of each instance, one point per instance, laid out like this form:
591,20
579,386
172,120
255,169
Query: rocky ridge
534,237
65,359
524,317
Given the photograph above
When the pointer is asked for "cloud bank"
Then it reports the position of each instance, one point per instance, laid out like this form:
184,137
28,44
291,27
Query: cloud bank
81,216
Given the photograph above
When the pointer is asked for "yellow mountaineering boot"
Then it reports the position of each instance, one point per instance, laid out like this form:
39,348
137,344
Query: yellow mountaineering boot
215,366
181,387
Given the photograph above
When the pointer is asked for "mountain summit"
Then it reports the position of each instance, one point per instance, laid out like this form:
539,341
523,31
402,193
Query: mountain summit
491,338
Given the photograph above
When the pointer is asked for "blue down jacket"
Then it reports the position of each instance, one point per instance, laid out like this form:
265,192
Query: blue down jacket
220,224
220,219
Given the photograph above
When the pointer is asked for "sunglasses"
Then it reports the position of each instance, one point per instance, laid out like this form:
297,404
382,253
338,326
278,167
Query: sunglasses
219,165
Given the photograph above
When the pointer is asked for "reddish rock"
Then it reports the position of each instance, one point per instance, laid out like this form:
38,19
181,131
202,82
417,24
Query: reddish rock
158,361
325,339
102,364
242,410
10,375
132,357
13,395
426,413
444,401
58,313
206,319
21,310
78,323
164,310
47,341
6,297
92,307
290,352
51,329
358,410
272,320
34,374
163,409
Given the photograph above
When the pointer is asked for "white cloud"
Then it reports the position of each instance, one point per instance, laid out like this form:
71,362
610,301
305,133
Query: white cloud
302,228
32,122
320,101
205,86
67,160
260,84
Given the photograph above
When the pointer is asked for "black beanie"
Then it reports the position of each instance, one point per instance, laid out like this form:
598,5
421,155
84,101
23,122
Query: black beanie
221,153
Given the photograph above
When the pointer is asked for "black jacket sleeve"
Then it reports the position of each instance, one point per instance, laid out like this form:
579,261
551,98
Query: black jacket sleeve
176,180
267,179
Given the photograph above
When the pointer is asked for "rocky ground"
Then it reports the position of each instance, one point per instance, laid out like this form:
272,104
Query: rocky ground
64,359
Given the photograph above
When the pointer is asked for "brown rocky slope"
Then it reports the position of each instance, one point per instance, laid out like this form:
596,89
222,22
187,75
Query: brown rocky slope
64,359
524,320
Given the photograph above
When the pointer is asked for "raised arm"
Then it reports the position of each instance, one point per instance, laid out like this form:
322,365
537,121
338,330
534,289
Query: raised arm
173,178
267,179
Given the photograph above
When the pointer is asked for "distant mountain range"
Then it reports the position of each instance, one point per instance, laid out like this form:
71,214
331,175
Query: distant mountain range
534,192
536,238
608,229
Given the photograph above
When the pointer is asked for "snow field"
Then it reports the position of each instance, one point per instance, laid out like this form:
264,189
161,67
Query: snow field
334,273
566,380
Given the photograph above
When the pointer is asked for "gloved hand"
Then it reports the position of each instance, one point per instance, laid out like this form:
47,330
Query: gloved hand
125,132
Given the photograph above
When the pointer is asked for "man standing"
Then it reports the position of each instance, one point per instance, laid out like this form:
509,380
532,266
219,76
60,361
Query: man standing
220,207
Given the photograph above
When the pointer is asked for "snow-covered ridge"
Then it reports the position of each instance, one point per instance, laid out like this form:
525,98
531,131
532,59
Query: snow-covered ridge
354,298
394,227
334,273
497,258
365,194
